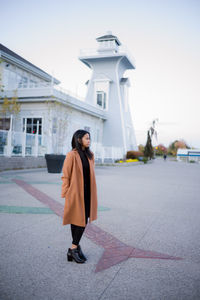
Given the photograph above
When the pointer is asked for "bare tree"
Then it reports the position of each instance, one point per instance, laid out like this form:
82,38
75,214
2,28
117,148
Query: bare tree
148,149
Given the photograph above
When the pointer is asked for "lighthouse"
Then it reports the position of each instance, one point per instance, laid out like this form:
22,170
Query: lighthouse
108,91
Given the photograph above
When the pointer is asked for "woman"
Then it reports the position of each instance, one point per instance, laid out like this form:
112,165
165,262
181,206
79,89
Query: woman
79,190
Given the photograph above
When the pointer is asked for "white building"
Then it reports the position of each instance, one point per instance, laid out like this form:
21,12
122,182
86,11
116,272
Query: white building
188,155
49,115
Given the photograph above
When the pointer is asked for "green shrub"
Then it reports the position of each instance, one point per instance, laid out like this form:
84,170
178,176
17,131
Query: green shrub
145,159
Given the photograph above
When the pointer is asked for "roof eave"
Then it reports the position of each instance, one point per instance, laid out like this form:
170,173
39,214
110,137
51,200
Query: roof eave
27,67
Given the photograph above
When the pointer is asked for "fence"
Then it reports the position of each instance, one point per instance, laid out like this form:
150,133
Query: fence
14,143
106,154
23,144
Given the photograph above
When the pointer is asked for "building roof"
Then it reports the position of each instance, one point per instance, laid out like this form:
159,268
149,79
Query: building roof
108,37
4,50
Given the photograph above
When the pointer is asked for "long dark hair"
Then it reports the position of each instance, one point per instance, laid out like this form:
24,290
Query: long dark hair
77,136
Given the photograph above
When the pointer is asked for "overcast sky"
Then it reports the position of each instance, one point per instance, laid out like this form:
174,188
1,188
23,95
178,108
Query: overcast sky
163,36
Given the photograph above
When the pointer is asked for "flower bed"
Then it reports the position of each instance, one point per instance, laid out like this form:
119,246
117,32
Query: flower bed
127,160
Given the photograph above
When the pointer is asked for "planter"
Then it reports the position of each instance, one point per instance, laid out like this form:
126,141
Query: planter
54,162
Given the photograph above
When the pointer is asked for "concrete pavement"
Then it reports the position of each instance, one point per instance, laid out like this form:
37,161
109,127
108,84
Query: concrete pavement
144,245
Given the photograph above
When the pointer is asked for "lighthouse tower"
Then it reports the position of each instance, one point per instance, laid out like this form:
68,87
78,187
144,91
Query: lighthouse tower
108,90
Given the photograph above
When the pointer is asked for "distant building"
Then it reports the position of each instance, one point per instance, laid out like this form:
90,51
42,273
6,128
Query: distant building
188,155
50,115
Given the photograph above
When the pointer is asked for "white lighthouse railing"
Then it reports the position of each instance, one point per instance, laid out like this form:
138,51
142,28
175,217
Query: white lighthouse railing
123,50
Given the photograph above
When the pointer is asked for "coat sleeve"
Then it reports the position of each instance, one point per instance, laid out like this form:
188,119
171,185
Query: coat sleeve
67,170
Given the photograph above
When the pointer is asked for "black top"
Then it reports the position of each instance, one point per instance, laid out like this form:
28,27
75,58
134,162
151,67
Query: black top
86,176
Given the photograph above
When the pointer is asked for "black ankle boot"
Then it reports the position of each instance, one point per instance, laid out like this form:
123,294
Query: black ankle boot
73,254
81,255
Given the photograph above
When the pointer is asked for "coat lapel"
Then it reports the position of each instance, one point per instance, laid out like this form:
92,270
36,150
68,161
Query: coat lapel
78,159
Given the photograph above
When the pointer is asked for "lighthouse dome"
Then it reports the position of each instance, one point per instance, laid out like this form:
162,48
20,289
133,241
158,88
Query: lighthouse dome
108,43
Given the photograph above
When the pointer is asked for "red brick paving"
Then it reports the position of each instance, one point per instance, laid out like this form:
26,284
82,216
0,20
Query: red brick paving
115,250
42,197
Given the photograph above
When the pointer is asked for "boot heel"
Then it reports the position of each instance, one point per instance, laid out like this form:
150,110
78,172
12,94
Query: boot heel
74,255
69,257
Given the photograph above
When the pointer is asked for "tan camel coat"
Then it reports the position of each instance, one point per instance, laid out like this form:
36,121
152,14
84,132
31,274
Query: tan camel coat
73,190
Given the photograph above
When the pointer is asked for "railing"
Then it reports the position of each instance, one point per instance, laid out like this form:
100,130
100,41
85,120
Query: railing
31,85
106,154
3,140
40,88
67,92
121,50
14,143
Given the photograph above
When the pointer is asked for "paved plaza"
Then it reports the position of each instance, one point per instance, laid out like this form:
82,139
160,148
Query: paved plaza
145,243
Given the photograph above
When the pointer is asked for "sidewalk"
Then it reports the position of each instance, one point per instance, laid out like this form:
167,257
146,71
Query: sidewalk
144,245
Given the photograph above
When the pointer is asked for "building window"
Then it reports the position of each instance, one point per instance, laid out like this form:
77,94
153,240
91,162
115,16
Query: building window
23,82
32,83
4,123
31,125
101,99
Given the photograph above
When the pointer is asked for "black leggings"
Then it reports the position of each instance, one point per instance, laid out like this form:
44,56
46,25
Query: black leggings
77,232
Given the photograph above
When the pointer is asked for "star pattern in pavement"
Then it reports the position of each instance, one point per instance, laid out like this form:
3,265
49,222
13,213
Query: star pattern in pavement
115,251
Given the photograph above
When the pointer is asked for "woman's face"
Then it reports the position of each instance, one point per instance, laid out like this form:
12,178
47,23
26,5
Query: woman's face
86,140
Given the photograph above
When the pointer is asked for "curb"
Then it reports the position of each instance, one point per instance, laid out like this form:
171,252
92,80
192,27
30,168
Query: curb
122,164
28,170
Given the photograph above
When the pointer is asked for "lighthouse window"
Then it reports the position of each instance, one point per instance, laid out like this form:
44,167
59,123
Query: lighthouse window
101,99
